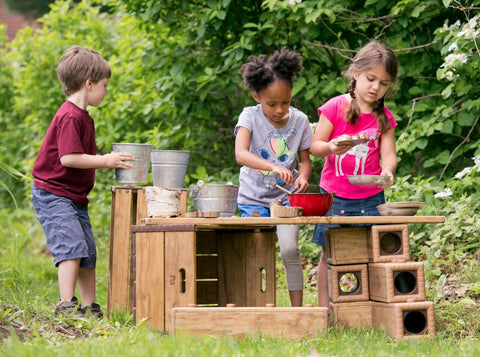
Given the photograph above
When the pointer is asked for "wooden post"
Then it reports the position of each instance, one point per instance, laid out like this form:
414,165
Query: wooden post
128,207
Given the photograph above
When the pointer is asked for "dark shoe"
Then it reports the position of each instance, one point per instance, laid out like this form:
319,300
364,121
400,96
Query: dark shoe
67,307
93,310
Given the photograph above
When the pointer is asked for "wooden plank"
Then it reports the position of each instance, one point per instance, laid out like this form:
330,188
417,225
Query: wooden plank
120,252
260,268
150,279
292,323
265,221
180,271
231,268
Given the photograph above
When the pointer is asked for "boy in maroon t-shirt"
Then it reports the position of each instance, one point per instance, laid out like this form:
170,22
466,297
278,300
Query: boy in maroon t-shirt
64,174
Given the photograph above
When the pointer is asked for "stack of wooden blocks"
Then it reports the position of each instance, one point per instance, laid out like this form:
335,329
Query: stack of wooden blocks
373,283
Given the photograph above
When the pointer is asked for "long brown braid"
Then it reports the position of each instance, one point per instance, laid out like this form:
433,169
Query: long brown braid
372,54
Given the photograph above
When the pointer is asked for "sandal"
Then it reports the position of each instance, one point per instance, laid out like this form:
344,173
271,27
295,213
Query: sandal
67,307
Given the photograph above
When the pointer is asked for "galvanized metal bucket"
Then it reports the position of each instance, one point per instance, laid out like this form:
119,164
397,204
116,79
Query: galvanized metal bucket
139,172
169,168
215,198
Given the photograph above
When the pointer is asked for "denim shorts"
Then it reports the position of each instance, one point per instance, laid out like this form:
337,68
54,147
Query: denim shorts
348,207
67,228
247,210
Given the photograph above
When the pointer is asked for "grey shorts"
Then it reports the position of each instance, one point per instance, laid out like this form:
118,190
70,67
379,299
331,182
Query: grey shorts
67,228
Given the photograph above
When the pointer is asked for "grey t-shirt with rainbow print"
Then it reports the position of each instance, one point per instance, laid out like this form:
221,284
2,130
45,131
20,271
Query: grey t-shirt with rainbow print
276,145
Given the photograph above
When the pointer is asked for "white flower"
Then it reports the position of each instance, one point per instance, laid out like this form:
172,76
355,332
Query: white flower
464,172
451,58
446,193
448,75
453,47
476,159
293,2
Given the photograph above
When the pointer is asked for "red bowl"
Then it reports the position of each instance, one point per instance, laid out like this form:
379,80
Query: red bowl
313,204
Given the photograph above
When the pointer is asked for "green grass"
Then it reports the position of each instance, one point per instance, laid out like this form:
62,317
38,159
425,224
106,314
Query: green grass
29,290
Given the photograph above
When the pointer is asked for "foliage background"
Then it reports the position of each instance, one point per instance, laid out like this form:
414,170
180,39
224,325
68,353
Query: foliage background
176,85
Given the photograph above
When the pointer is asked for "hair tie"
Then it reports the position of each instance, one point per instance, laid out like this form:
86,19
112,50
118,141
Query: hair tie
352,94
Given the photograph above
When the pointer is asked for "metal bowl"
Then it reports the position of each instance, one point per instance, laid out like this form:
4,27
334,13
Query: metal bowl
400,208
375,180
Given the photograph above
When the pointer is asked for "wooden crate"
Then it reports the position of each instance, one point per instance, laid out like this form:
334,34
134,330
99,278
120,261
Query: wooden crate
278,322
396,282
352,314
390,243
405,320
348,245
211,267
128,208
347,283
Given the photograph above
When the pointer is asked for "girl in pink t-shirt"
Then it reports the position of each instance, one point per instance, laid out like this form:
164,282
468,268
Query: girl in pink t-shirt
362,116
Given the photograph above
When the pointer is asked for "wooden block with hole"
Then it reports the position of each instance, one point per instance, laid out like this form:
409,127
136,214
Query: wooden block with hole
347,283
390,243
348,245
352,314
278,322
408,320
128,207
396,282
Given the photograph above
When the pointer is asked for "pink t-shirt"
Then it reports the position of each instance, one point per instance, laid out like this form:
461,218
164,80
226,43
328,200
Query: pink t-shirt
362,159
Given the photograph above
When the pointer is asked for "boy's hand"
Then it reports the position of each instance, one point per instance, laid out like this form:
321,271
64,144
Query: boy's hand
118,160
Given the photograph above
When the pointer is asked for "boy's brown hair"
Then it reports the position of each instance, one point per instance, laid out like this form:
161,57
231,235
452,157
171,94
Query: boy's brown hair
79,64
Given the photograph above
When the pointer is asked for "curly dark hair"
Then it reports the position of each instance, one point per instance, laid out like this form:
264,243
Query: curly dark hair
261,71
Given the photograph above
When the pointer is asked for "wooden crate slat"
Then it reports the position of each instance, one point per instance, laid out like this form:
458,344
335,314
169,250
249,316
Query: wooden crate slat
150,279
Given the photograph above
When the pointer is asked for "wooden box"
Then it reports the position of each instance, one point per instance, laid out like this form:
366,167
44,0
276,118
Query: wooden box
352,314
201,267
278,322
390,243
396,282
348,245
348,283
405,320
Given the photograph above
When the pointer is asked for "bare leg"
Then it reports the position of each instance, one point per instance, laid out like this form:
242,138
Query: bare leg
86,284
67,277
322,281
296,297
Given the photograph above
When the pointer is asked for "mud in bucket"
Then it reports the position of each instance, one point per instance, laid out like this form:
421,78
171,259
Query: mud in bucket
169,168
139,172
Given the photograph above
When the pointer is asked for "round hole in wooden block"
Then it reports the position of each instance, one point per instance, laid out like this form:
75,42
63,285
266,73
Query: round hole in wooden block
348,283
415,322
390,243
405,282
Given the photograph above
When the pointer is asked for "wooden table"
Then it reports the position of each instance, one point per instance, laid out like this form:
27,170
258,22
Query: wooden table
182,262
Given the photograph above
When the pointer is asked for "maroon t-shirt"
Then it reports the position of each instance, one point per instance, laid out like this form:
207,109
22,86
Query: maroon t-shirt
71,131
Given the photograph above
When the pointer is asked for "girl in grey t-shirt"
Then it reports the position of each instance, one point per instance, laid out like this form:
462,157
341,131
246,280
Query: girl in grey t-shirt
269,138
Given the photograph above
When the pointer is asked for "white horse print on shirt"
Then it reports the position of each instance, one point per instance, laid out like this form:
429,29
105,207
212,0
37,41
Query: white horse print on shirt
360,152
